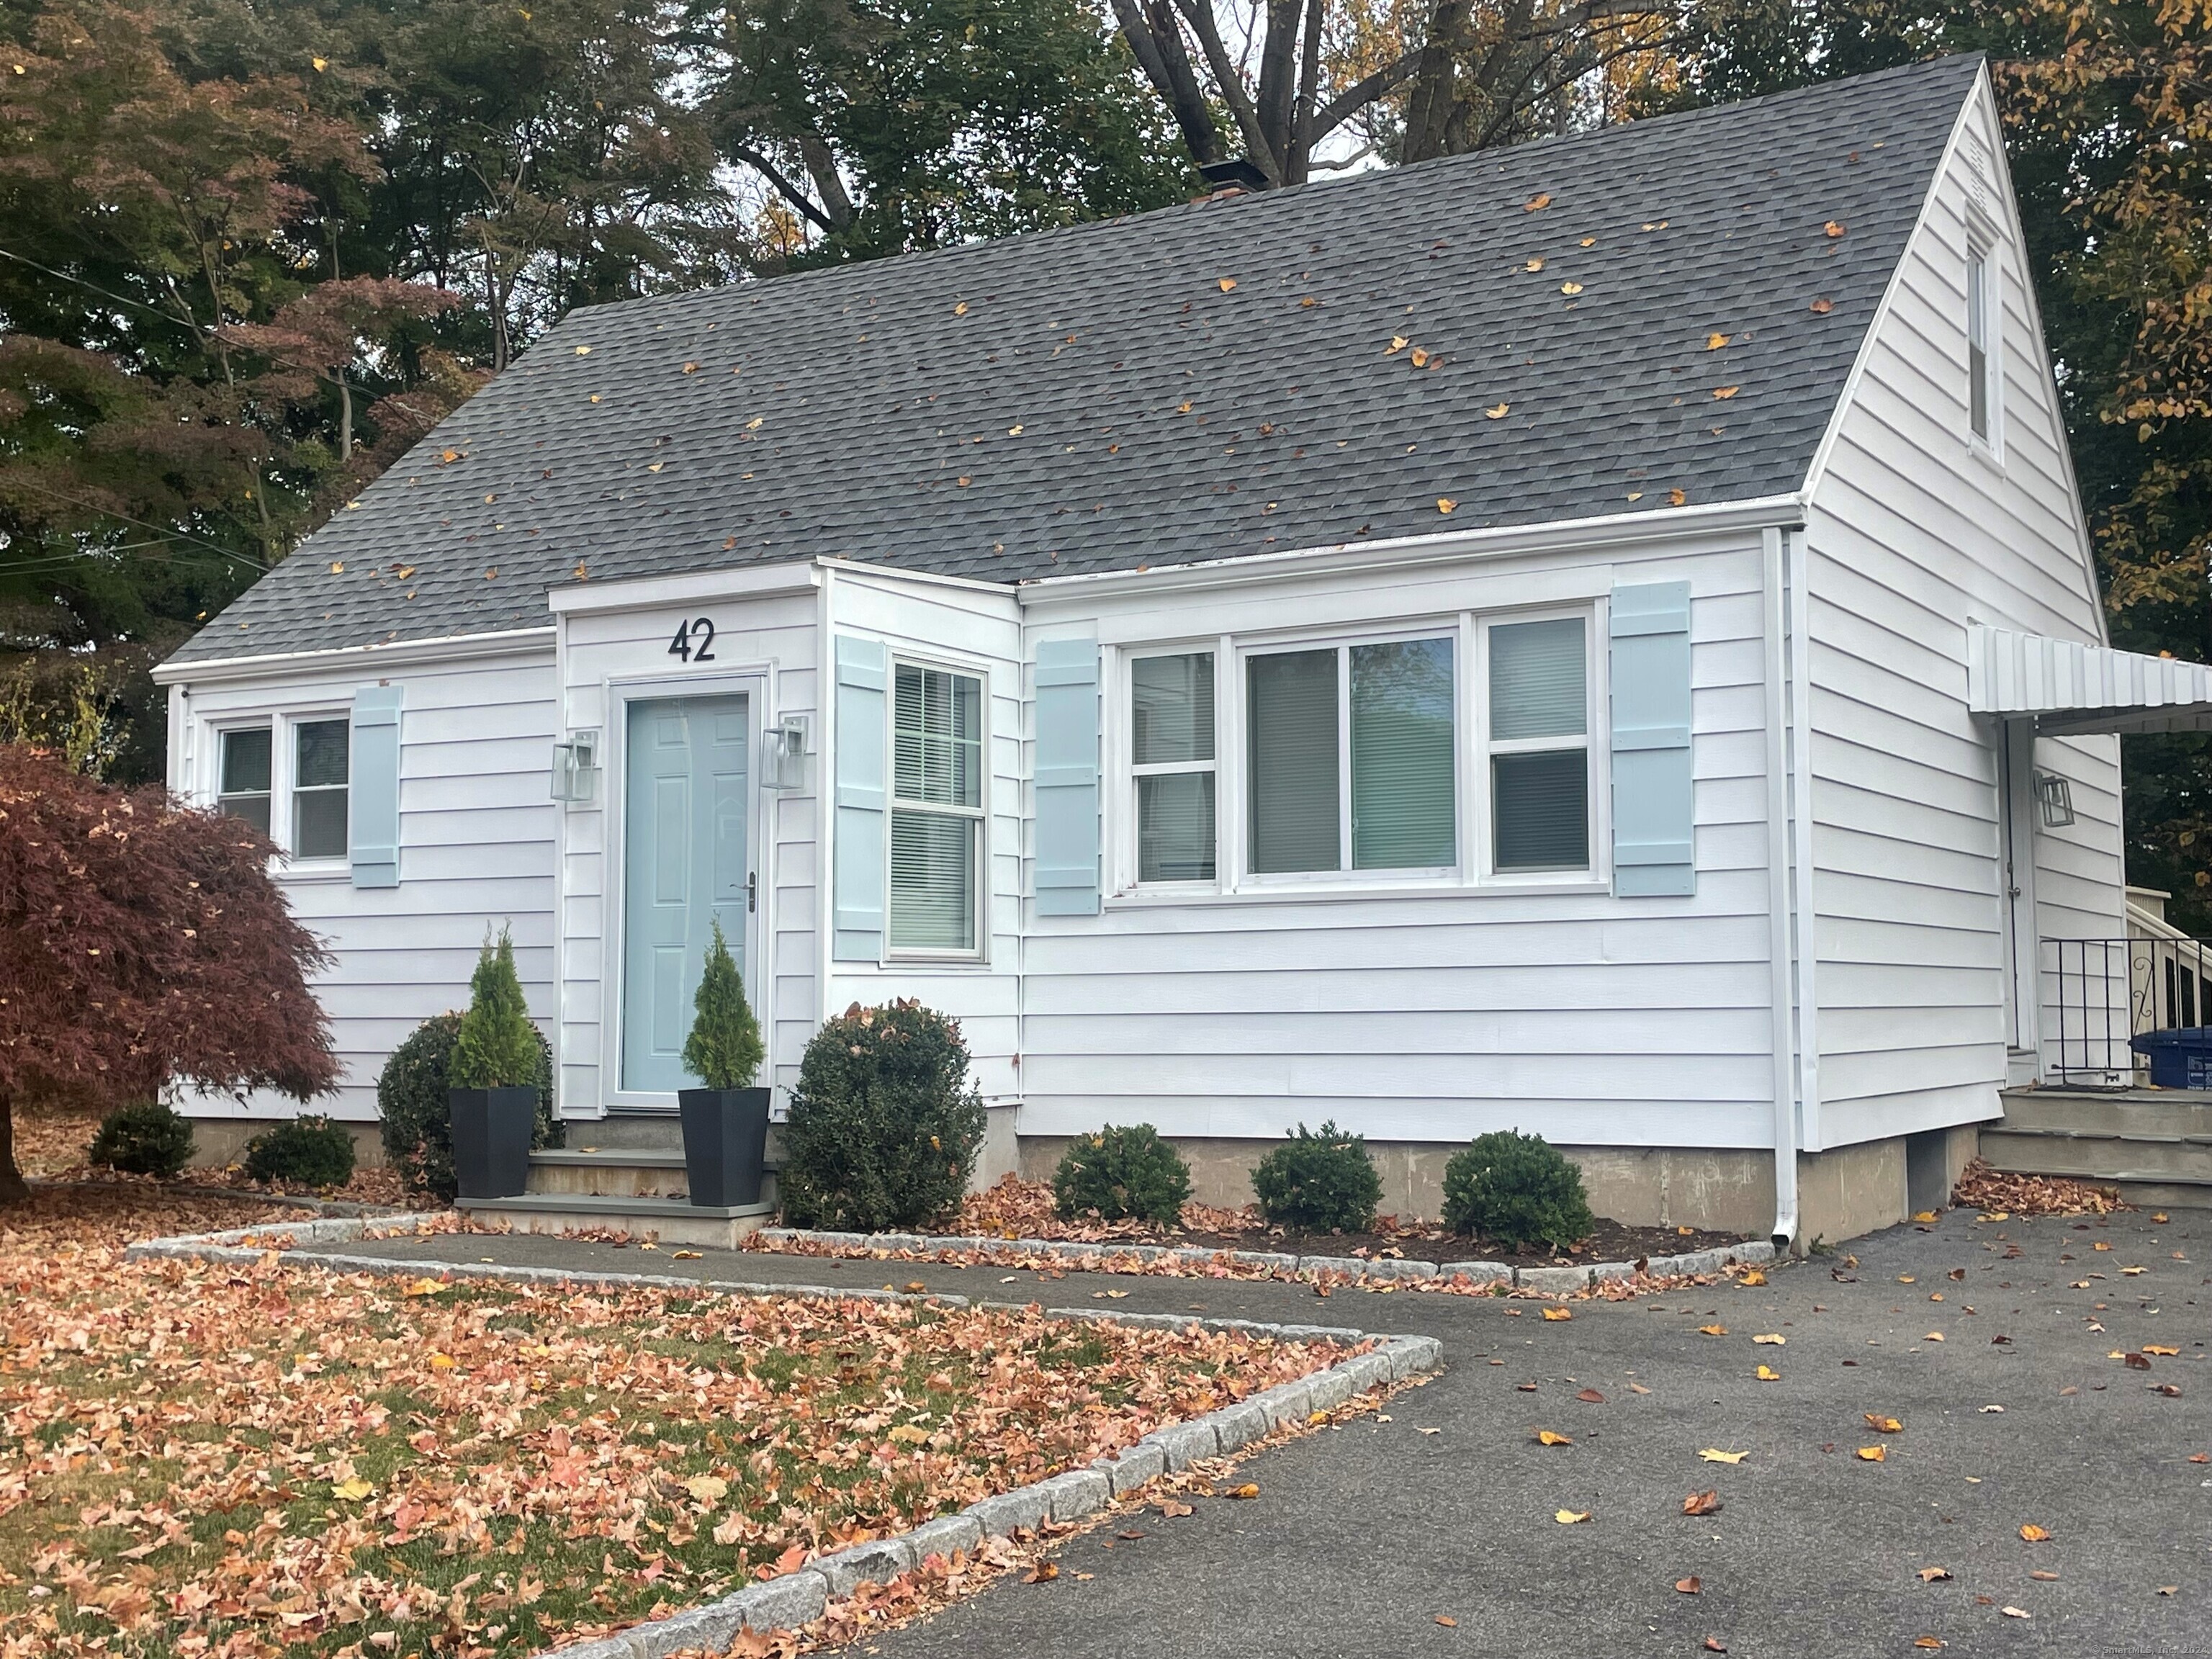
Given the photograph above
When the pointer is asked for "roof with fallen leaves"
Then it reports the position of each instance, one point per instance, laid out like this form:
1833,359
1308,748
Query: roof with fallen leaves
1656,313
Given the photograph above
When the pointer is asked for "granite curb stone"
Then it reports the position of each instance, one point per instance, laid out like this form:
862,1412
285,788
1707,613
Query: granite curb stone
796,1598
1553,1280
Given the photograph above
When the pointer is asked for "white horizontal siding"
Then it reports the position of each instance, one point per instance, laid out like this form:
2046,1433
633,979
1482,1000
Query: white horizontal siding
958,626
1912,534
475,851
1437,1011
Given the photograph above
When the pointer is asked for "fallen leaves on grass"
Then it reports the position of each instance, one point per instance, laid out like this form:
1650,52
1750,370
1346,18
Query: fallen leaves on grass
263,1456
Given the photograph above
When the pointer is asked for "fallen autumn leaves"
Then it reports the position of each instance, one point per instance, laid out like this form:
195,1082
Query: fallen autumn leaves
207,1460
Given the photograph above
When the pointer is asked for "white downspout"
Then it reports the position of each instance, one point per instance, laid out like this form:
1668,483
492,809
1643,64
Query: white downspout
1780,894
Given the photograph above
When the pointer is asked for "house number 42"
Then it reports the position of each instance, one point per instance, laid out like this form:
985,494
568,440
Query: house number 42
694,640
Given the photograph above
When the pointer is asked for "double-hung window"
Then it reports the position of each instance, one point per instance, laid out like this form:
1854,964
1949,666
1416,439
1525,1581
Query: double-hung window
320,774
291,781
1350,759
936,811
245,786
1539,743
1171,756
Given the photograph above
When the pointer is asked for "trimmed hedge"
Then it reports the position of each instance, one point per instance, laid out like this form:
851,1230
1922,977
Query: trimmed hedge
146,1138
1318,1182
1516,1189
885,1126
416,1119
308,1152
1122,1172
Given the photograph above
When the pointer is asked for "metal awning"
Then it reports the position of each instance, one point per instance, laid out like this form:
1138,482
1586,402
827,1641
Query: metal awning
2066,687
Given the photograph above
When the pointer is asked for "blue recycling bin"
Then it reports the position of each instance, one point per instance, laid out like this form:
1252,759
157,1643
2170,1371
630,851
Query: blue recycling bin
2178,1059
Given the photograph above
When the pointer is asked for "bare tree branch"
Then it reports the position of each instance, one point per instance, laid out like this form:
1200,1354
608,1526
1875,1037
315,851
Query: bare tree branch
1229,88
782,185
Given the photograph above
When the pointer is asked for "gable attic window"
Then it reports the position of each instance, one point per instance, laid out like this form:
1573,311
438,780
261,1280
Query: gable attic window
936,811
1982,342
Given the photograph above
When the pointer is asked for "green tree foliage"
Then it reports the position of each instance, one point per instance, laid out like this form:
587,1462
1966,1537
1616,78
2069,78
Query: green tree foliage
723,1050
885,1128
1516,1189
497,1046
1119,1173
1318,1182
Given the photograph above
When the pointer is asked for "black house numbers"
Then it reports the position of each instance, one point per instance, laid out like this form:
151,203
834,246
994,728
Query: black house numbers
694,640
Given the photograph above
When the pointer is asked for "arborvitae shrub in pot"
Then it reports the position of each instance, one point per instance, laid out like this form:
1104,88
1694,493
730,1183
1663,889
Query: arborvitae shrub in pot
414,1116
1516,1189
309,1152
884,1126
1318,1182
1121,1172
147,1138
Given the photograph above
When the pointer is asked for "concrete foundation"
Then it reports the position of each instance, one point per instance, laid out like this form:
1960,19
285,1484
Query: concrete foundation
220,1142
1841,1194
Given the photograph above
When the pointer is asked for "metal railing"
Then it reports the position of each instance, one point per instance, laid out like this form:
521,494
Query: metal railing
2099,993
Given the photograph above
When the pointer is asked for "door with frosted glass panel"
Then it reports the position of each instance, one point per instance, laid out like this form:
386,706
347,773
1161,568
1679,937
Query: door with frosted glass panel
685,866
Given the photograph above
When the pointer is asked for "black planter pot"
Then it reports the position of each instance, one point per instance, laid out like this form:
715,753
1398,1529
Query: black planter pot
492,1130
725,1140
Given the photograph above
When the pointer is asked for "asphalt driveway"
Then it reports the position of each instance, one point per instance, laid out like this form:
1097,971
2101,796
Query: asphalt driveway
1365,1536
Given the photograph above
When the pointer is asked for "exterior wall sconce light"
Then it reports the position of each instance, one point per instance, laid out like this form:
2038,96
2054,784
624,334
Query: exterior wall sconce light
576,767
2054,796
784,750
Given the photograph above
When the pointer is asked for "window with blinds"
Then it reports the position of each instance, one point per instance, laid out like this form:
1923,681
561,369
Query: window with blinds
1539,743
1172,765
936,811
1350,758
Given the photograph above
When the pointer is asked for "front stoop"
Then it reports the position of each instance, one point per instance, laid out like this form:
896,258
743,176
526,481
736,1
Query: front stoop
2154,1145
665,1220
609,1172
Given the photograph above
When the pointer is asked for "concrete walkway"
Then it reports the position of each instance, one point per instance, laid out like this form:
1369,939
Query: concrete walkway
1364,1535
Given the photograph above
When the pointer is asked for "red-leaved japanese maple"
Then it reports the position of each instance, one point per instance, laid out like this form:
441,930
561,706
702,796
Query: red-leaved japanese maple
142,941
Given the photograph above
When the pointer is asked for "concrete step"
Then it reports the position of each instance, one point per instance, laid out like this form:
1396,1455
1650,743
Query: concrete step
664,1220
2175,1160
638,1131
616,1173
2137,1111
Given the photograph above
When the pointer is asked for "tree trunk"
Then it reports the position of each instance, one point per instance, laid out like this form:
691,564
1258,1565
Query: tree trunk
346,417
14,1189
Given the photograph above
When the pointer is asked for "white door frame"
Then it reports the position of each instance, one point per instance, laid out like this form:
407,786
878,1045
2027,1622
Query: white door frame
2017,817
750,680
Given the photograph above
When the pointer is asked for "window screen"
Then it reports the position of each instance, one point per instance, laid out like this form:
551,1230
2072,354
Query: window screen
323,751
1171,753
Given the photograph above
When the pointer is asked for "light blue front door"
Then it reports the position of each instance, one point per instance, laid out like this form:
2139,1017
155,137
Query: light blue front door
684,865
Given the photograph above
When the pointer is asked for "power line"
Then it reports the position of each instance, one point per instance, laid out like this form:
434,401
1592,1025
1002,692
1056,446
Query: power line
159,530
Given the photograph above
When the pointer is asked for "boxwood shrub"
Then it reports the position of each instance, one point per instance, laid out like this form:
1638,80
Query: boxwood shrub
145,1137
1119,1173
1318,1182
885,1126
415,1117
306,1152
1516,1189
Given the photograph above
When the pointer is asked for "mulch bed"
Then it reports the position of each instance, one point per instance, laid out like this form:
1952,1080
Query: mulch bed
1611,1241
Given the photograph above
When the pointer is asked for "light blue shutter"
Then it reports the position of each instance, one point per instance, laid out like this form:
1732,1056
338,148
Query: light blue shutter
373,840
1067,778
857,932
1654,848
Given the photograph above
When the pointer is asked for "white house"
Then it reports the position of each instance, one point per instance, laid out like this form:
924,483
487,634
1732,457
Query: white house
1597,637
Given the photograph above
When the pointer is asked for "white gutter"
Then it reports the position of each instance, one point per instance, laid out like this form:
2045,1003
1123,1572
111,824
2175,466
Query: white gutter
1614,530
1780,953
448,648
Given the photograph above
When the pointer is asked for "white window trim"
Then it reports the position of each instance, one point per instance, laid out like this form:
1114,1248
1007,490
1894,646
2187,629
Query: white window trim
1235,883
283,728
980,845
1599,781
1982,244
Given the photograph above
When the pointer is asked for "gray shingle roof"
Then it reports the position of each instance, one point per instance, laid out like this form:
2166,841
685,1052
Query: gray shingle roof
1209,381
